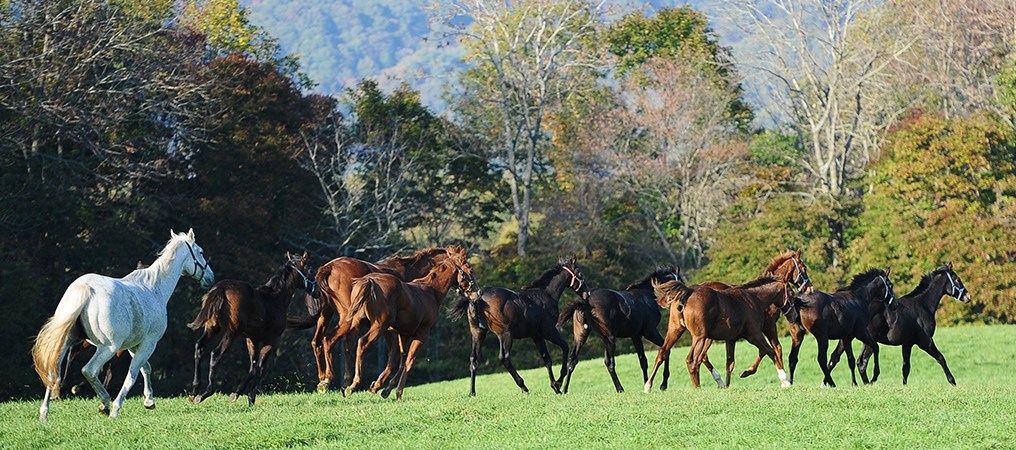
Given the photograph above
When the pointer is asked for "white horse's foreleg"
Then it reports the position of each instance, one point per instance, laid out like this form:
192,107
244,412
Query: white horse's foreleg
91,373
146,373
138,359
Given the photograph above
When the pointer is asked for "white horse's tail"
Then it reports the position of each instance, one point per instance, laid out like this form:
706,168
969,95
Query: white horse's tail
49,344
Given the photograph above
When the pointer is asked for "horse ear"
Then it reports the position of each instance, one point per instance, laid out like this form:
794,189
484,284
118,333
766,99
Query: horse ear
172,234
949,265
887,271
304,257
289,257
798,252
190,234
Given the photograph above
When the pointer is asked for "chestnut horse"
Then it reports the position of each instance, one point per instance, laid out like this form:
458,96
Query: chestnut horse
841,315
258,314
632,313
335,280
406,310
787,266
529,313
727,315
912,322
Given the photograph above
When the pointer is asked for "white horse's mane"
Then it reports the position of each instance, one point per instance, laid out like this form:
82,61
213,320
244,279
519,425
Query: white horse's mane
160,268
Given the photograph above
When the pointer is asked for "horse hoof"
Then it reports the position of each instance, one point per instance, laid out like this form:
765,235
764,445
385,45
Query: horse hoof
74,390
149,404
347,391
746,374
322,387
385,393
233,396
104,408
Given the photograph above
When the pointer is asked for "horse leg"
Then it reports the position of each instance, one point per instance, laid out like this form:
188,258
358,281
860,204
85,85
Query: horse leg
72,352
213,361
862,363
198,348
252,351
404,342
709,366
610,347
266,349
673,334
541,346
505,356
110,367
44,408
932,350
654,336
848,348
869,342
322,350
823,348
796,338
640,350
90,371
138,359
146,375
407,364
581,332
394,362
760,342
474,356
768,329
372,335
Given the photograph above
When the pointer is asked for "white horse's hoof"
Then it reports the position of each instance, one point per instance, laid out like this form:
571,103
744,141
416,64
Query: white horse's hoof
149,404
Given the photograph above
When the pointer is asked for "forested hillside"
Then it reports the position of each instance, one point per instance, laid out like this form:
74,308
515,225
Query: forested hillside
881,134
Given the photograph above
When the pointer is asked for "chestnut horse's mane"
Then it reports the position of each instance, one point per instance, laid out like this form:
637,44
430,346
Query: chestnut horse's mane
646,281
414,258
778,261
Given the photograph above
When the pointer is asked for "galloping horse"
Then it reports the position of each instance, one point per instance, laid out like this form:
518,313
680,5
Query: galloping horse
632,313
125,313
335,280
258,314
912,322
842,315
408,310
727,315
529,313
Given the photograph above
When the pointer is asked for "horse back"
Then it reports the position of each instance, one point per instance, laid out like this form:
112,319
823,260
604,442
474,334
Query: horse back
605,308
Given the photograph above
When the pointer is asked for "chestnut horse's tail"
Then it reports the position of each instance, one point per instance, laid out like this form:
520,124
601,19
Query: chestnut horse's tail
569,310
365,290
211,303
53,336
667,292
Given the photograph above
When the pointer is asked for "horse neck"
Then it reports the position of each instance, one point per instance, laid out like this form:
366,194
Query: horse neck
442,282
931,298
786,271
557,284
771,293
412,271
167,270
873,291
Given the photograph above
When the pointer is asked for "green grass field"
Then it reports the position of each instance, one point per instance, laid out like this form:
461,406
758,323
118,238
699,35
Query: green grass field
754,413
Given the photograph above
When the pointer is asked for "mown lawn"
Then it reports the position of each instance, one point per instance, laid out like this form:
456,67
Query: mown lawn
754,413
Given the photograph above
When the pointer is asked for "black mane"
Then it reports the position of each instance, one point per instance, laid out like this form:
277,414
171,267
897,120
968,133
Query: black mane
647,281
926,281
862,279
543,280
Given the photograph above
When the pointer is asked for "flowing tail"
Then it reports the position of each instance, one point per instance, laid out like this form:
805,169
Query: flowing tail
667,292
302,322
569,310
365,290
459,309
210,306
53,336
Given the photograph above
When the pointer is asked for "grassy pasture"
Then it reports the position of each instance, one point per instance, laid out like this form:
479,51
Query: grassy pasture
754,413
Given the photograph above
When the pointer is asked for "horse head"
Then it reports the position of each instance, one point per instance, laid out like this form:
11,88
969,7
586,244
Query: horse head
577,281
466,279
299,265
789,266
956,289
199,270
874,284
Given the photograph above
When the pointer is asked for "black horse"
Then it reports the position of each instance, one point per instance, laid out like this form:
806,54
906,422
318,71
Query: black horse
841,315
632,313
530,313
912,322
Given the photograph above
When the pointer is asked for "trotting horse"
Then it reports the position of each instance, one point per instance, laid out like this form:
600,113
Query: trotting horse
258,314
632,313
125,313
403,310
529,313
727,315
335,281
842,315
912,322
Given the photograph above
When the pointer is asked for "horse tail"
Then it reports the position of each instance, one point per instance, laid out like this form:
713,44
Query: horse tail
211,303
50,342
364,290
459,309
667,299
569,310
301,323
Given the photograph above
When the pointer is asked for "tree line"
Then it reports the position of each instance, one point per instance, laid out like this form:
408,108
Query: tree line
865,133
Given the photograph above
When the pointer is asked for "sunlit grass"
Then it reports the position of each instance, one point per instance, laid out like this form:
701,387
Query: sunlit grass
754,412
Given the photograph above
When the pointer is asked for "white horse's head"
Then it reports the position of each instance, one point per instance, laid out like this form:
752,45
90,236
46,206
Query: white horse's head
199,270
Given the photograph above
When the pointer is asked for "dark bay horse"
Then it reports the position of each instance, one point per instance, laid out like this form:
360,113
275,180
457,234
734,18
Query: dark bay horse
727,315
257,314
529,313
403,310
632,313
841,315
912,322
335,280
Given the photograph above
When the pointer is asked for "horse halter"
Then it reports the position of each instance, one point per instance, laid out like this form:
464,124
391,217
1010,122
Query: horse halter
957,292
472,280
887,292
574,277
309,285
197,266
800,275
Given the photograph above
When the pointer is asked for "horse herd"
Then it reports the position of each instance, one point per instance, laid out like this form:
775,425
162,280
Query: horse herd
400,299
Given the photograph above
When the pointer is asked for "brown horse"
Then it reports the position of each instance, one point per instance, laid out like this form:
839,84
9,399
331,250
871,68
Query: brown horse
787,266
258,314
529,313
335,280
727,315
406,310
842,315
632,313
912,322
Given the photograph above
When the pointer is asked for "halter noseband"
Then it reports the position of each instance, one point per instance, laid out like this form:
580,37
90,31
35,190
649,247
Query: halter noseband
573,279
197,266
955,288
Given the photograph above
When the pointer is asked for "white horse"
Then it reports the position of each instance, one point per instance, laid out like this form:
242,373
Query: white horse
114,314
